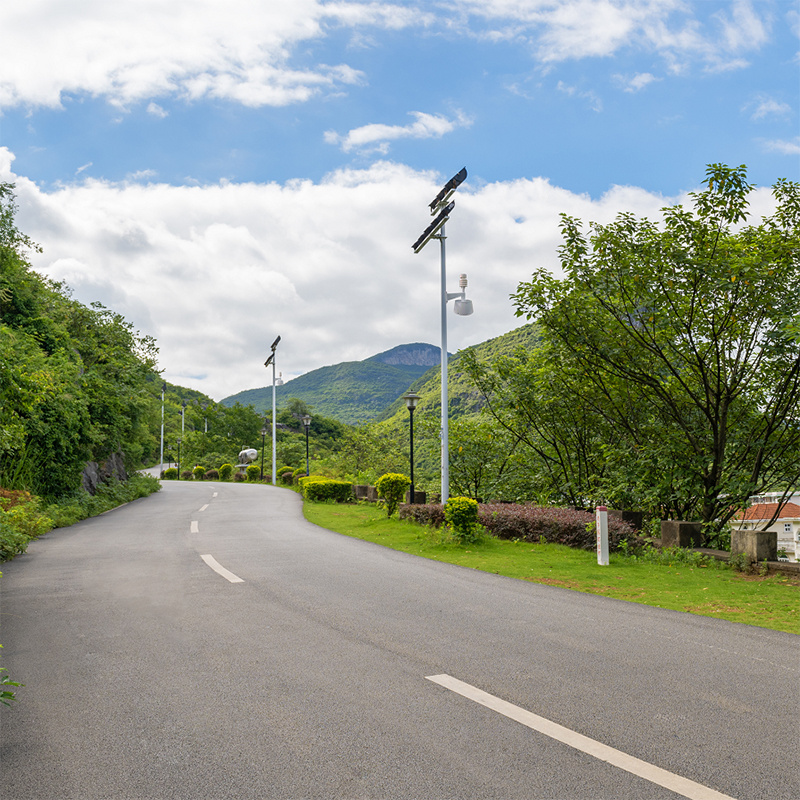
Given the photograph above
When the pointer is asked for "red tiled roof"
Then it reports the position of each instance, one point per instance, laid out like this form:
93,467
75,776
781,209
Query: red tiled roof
764,511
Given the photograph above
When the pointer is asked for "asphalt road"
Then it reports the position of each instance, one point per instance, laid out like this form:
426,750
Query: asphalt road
150,675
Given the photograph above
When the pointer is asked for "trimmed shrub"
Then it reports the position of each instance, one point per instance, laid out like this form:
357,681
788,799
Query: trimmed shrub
392,487
424,514
225,472
300,472
212,475
238,477
461,515
199,473
287,477
558,525
170,474
253,473
284,469
321,489
186,475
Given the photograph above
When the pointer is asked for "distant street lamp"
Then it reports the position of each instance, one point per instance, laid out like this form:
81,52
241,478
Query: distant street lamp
307,422
161,462
442,206
411,398
271,360
179,459
263,439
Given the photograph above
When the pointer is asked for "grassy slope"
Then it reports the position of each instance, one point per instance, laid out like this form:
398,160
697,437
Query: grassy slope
771,602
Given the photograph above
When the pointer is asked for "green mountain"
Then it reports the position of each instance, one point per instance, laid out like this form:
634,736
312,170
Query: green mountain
353,391
463,397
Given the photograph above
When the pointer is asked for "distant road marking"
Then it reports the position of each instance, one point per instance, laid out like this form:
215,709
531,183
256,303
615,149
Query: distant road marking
220,570
195,527
215,494
675,783
203,508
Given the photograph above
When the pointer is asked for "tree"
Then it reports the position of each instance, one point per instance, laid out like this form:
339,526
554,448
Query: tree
695,324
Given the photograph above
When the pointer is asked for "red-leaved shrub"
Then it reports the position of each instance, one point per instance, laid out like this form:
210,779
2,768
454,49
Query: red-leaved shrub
531,523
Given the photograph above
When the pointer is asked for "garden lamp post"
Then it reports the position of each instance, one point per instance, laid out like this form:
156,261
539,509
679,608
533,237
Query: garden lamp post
263,439
442,206
271,360
307,423
411,398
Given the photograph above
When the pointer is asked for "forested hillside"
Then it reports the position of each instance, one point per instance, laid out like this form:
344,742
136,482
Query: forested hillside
353,391
76,384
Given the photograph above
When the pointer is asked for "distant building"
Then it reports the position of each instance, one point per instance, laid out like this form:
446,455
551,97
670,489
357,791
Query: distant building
786,525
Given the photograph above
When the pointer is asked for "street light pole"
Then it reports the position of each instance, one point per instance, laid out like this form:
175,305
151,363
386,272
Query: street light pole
411,398
442,206
307,423
161,462
263,438
271,360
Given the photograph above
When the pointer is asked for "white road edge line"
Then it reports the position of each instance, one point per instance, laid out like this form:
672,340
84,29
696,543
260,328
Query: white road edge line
195,528
203,508
220,570
650,772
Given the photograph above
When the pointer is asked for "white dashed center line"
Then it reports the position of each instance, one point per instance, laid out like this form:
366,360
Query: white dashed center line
195,527
203,508
650,772
220,570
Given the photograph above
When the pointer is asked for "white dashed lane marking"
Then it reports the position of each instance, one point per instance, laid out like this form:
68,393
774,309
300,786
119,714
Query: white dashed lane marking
643,769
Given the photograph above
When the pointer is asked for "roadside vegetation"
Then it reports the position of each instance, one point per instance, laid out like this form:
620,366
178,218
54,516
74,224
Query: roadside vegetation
681,580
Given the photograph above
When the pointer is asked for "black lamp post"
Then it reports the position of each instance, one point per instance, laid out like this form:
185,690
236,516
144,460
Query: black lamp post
411,398
307,423
263,439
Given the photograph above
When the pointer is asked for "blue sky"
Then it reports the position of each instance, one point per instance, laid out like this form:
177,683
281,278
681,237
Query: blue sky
224,172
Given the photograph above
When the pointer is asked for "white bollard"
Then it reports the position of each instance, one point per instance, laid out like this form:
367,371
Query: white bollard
601,523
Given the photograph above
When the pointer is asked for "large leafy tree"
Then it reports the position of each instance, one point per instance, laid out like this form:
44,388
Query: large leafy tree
687,334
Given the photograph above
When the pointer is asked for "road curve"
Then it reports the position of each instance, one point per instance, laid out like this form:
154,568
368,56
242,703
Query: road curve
152,675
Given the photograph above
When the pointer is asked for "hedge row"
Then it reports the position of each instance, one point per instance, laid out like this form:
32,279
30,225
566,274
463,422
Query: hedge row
320,489
531,523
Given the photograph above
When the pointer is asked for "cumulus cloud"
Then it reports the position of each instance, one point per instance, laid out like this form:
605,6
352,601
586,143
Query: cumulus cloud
262,54
376,137
786,148
636,82
215,272
131,50
764,107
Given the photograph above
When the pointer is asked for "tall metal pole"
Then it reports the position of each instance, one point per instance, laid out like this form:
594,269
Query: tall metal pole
161,457
411,450
274,447
445,468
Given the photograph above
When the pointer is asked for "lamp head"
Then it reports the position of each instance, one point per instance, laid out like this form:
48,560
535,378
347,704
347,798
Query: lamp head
411,398
463,307
306,420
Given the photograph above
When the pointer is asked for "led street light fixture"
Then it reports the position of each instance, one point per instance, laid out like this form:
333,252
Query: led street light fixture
447,191
434,227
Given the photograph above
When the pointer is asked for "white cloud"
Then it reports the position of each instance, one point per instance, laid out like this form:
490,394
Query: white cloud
157,111
215,272
786,148
637,82
376,137
768,107
591,97
134,50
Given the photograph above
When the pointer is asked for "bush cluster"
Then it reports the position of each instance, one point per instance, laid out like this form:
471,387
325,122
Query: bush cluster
321,489
21,521
170,474
212,475
225,472
199,473
392,487
461,515
527,523
252,473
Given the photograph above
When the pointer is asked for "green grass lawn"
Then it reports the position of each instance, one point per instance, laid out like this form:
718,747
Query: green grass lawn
711,591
